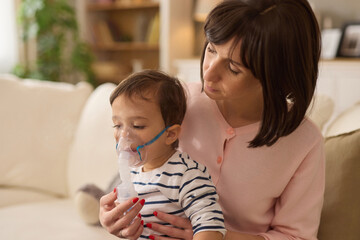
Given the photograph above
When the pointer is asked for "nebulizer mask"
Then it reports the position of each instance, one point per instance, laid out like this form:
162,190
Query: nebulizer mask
131,152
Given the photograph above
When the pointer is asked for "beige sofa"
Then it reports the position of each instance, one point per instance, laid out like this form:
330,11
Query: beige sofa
56,137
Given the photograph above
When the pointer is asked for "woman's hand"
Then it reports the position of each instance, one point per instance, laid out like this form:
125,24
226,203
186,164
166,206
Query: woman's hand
116,218
182,230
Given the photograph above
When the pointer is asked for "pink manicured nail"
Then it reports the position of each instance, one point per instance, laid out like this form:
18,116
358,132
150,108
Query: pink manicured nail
114,190
155,213
152,237
149,225
135,200
139,215
142,222
142,202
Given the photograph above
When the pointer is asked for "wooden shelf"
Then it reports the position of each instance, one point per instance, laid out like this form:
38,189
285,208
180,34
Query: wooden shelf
124,37
107,71
121,6
126,46
126,33
342,59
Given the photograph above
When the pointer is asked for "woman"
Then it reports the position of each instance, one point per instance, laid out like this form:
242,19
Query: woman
246,122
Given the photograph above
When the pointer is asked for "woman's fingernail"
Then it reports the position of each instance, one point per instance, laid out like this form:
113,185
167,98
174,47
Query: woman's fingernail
139,215
142,222
114,190
155,213
149,225
135,200
142,202
152,237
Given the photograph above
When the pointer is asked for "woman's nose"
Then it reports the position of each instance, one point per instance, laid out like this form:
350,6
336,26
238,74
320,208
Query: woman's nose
212,71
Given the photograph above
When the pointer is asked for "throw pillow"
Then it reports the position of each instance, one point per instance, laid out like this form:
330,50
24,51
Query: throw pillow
93,157
341,212
38,121
347,121
320,110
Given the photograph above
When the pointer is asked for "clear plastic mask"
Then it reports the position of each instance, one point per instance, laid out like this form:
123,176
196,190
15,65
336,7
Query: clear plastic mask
132,148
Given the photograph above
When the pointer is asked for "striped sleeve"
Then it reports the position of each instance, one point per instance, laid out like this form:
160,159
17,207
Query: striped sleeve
198,198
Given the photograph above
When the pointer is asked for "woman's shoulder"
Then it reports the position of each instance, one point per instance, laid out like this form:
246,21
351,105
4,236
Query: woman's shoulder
309,127
306,135
193,89
196,98
199,106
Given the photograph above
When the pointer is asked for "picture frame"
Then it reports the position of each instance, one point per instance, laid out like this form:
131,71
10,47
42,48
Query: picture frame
350,41
330,39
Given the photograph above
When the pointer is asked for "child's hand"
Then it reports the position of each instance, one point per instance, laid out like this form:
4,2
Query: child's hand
117,221
182,229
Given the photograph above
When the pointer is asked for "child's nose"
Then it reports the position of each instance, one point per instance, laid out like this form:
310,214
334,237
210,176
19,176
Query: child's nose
124,133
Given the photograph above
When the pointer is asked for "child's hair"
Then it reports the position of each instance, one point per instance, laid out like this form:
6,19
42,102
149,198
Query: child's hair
167,91
280,44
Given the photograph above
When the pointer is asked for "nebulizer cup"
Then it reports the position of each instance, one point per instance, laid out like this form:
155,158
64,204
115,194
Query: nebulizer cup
128,156
132,153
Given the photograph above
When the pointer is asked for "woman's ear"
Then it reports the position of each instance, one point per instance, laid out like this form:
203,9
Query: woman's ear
172,134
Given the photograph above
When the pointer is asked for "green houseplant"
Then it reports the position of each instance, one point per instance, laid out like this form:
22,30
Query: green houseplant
60,55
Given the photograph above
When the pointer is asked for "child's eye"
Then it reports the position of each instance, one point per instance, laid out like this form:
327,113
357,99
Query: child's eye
138,127
117,126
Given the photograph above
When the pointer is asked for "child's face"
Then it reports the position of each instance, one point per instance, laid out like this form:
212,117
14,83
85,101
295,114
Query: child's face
143,118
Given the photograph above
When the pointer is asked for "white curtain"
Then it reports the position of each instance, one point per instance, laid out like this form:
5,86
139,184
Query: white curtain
8,36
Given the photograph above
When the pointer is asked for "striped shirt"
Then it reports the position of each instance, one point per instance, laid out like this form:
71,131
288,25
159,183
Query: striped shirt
181,187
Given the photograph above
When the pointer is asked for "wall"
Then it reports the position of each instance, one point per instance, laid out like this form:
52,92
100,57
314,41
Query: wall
338,11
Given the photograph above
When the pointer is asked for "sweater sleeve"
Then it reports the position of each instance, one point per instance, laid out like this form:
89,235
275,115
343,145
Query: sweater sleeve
298,209
198,198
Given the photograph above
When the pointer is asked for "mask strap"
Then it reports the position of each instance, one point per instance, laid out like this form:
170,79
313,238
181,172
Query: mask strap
151,141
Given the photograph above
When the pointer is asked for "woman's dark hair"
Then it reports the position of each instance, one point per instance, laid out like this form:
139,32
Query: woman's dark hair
280,44
167,90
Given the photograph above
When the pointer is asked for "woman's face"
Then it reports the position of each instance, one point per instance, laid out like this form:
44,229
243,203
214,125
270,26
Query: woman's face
225,77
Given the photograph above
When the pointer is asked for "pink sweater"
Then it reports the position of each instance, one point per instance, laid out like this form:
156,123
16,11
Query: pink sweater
275,192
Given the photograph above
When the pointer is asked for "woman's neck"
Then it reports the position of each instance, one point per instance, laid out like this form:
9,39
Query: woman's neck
240,113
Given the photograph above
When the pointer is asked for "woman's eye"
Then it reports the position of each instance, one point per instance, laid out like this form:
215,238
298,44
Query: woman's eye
235,72
210,50
116,126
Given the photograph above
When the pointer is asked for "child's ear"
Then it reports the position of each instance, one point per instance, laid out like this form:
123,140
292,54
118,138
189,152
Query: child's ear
172,134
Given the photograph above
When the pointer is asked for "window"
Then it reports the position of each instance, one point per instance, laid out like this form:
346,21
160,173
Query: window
8,39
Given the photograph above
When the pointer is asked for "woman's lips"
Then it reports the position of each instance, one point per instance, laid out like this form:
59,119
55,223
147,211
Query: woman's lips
210,89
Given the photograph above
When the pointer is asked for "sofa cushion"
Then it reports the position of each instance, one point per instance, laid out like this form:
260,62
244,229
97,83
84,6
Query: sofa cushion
93,156
13,196
38,120
320,110
340,217
347,121
55,220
